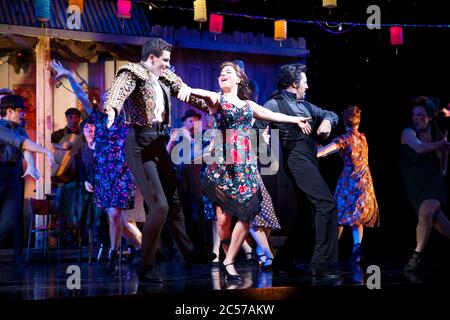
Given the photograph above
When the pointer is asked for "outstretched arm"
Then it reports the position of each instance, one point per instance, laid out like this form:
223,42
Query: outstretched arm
76,87
327,150
262,113
183,92
34,147
409,137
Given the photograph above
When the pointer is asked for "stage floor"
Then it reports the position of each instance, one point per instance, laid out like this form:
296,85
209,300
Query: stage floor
44,284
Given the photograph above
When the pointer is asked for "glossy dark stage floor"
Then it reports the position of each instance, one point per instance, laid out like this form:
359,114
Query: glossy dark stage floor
49,284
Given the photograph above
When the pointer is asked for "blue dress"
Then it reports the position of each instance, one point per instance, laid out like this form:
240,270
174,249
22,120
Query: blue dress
114,185
231,181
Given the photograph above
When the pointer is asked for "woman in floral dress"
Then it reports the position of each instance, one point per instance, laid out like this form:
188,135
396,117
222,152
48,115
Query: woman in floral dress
231,182
355,196
114,187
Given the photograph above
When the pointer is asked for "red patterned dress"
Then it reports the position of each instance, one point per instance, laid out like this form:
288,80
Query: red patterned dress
231,180
355,196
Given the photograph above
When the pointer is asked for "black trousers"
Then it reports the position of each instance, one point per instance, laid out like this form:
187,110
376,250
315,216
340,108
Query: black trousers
147,159
190,191
11,203
303,169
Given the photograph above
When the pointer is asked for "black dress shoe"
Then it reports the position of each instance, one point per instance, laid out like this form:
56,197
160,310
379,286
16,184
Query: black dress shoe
150,275
324,270
229,276
413,263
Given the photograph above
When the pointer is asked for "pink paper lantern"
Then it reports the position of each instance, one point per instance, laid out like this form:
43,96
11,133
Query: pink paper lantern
123,9
396,36
215,23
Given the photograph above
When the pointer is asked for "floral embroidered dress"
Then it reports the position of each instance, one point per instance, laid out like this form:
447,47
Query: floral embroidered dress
355,196
230,181
114,185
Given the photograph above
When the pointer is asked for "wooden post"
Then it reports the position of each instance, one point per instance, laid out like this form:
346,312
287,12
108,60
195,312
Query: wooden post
44,113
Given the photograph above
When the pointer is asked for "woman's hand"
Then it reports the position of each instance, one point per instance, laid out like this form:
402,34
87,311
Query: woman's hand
303,123
110,113
59,70
184,93
88,187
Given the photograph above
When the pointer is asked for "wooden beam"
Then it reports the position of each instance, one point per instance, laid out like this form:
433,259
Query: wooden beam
139,41
44,113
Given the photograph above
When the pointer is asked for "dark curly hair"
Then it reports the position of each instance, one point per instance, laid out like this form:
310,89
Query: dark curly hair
244,91
154,46
289,74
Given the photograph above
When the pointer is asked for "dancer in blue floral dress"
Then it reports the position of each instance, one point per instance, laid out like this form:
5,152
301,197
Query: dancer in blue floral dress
114,186
231,183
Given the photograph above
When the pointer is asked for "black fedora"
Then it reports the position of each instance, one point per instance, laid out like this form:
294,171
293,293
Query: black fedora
190,113
12,101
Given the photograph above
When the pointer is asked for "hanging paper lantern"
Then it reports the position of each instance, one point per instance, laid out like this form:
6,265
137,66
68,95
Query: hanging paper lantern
79,3
123,9
329,4
215,23
200,11
42,10
396,36
280,33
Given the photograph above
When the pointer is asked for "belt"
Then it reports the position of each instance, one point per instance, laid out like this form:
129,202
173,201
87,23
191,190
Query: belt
155,128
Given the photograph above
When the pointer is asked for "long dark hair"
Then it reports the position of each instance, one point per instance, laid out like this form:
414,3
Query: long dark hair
432,111
244,92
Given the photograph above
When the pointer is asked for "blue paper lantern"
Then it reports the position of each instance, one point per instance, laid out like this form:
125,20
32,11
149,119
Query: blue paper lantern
42,10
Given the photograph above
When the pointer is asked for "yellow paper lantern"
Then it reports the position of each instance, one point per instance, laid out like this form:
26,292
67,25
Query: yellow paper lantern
79,3
329,4
280,33
200,11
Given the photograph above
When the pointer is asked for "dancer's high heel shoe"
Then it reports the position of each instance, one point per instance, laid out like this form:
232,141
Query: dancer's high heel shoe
267,266
261,260
229,276
113,260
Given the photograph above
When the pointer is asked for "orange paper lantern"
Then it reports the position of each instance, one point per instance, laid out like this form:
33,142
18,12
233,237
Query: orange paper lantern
79,3
280,33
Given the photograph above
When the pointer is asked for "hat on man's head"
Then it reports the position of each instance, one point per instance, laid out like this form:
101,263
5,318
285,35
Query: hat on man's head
12,101
190,113
73,111
6,91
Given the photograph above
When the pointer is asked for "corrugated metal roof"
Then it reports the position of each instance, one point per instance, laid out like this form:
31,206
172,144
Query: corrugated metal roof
98,16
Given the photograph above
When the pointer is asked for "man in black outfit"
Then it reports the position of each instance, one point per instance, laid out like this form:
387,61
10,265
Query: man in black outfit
300,156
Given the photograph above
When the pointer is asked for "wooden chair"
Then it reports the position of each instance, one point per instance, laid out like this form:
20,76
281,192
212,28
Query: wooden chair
43,208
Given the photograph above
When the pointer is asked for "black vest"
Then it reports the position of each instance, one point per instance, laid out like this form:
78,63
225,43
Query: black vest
291,135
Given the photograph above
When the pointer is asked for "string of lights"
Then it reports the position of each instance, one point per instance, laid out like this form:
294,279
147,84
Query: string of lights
342,24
